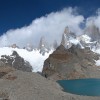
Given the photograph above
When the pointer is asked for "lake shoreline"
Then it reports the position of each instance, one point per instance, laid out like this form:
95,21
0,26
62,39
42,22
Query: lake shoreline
88,86
18,85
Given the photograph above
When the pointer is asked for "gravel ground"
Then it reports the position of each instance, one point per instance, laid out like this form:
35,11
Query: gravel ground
18,85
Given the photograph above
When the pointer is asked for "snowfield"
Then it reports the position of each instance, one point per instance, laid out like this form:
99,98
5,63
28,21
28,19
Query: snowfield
34,57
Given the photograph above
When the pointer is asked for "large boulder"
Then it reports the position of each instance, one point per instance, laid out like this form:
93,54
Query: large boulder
72,63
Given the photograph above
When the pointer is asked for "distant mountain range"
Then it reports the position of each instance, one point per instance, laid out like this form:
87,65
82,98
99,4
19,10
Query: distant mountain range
90,38
37,56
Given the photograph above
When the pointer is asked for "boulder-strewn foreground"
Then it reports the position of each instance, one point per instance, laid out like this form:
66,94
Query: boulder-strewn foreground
72,63
18,85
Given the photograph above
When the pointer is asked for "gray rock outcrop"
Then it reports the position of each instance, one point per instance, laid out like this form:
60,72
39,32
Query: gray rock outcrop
15,61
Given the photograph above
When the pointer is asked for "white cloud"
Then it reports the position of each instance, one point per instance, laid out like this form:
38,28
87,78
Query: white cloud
51,26
94,19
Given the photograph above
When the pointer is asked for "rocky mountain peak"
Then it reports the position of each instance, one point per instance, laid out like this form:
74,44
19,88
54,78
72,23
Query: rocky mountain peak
29,47
67,36
72,63
15,54
65,39
67,30
93,31
14,46
43,46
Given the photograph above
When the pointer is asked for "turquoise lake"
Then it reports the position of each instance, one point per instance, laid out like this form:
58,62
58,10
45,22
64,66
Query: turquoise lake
89,87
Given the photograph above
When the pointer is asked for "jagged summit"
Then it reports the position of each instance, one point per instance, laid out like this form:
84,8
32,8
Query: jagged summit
93,31
43,46
14,46
42,42
90,38
69,33
65,38
68,38
67,30
29,47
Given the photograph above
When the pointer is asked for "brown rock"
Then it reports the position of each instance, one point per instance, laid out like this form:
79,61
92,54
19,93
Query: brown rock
73,63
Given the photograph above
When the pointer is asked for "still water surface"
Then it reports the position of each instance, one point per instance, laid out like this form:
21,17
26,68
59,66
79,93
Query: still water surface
89,87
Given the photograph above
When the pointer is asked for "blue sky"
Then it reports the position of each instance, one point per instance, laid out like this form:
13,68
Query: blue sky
26,21
18,13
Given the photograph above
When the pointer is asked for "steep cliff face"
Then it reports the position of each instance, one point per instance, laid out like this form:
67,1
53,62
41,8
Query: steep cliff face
72,63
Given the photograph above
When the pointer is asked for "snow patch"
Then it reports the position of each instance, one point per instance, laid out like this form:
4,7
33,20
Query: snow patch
96,50
97,62
86,38
74,41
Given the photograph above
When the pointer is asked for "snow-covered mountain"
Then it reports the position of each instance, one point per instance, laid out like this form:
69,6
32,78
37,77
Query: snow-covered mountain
69,38
37,56
88,39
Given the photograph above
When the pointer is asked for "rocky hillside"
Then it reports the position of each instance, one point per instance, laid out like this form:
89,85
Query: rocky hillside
16,62
18,85
72,63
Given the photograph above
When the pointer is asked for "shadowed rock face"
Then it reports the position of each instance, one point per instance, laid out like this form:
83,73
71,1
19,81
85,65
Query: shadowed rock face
15,61
73,63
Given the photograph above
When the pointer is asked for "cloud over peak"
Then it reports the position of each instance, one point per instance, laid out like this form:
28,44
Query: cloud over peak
51,26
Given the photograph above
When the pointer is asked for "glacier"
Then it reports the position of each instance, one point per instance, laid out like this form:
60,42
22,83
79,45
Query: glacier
34,57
